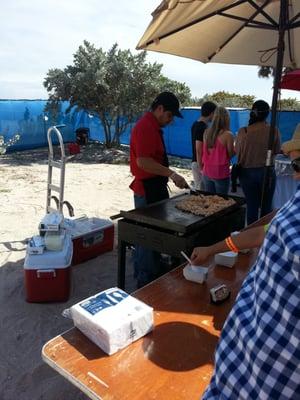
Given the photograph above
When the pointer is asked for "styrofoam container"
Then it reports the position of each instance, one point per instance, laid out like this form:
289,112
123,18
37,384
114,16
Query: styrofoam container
112,319
48,275
226,259
195,273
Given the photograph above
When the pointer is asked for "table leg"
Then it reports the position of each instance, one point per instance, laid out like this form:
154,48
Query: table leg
121,264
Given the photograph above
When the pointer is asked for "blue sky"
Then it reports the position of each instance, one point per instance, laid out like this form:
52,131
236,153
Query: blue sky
37,35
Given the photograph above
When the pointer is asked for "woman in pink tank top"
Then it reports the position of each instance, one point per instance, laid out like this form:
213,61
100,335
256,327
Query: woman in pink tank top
217,152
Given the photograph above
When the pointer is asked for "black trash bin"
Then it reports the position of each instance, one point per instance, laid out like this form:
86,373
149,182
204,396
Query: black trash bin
82,135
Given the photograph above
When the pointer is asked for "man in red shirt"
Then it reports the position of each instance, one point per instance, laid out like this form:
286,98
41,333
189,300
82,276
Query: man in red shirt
150,167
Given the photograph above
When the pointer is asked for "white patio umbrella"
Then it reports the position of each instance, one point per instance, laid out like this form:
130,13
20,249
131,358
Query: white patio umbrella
248,32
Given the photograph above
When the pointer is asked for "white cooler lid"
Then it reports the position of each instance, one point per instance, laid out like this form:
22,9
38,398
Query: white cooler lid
83,226
51,259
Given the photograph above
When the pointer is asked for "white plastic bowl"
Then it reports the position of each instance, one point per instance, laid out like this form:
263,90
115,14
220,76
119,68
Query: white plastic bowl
195,273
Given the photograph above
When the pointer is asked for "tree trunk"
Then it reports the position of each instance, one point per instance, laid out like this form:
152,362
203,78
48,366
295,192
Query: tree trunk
120,128
116,138
107,130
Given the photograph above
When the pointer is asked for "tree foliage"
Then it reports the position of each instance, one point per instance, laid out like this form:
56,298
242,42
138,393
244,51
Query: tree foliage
245,101
116,86
226,99
267,72
289,104
5,144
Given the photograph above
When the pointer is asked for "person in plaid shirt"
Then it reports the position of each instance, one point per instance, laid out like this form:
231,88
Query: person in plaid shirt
258,354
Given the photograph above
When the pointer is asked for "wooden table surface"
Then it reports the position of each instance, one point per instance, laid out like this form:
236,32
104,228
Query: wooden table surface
175,361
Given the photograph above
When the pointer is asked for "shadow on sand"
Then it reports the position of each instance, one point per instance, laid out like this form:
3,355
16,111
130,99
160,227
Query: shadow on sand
93,152
26,327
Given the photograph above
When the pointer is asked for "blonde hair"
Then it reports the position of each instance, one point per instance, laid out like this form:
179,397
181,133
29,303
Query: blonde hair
220,122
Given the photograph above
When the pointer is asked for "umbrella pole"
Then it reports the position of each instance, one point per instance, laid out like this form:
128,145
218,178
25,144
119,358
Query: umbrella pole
267,181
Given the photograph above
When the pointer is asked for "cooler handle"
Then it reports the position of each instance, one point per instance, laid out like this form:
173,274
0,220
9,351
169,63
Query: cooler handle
46,273
92,239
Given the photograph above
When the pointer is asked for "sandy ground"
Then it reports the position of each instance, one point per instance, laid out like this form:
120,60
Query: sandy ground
94,188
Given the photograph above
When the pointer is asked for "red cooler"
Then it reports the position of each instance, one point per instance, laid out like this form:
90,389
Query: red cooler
48,275
91,237
73,148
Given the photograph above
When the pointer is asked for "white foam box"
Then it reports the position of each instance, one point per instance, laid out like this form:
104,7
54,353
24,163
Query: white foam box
112,319
226,259
195,273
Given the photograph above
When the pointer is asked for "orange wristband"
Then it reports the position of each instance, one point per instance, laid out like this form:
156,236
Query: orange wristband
231,245
228,244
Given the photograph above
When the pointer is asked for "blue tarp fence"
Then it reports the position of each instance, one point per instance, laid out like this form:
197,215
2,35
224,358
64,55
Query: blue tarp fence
28,119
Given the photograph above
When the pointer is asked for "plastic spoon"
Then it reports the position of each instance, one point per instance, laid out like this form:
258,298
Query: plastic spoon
195,267
189,260
186,257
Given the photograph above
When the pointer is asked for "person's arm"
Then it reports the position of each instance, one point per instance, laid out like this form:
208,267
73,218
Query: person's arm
200,129
248,239
230,145
148,164
237,142
199,147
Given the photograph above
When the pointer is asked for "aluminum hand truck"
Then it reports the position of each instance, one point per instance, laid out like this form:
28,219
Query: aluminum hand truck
59,164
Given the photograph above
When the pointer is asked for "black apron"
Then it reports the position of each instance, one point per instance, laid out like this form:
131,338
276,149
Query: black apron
156,188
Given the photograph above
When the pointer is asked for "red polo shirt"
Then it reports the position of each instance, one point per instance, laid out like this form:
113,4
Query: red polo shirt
146,142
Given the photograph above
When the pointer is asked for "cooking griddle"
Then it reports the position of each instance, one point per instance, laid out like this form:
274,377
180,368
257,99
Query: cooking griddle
165,215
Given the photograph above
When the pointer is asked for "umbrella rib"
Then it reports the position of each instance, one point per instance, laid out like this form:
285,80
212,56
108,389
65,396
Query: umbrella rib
294,25
222,12
262,26
253,24
194,22
250,20
289,33
292,20
260,9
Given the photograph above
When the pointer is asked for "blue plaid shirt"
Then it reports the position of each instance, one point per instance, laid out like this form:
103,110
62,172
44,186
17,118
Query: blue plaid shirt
258,354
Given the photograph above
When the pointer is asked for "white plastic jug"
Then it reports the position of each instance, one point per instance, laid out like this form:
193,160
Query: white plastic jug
54,241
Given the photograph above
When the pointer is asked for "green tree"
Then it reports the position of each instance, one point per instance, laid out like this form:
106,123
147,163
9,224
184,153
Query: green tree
267,72
225,99
116,86
52,111
290,104
195,102
4,144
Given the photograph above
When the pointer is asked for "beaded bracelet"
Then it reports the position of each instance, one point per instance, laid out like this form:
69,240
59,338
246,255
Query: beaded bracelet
231,245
